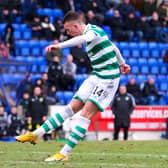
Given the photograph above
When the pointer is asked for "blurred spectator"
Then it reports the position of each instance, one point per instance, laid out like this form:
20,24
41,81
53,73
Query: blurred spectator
25,105
117,25
38,108
155,27
29,8
93,18
150,95
122,107
36,27
126,8
134,89
45,82
3,122
4,51
55,73
68,5
96,6
80,59
51,96
162,10
53,53
15,122
131,28
9,39
144,27
48,28
165,57
69,69
112,4
148,7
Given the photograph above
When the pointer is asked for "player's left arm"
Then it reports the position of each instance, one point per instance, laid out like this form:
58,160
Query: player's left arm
125,68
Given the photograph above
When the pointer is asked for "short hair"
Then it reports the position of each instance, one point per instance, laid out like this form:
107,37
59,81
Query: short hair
72,16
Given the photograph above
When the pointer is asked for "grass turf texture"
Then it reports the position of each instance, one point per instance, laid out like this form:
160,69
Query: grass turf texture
105,154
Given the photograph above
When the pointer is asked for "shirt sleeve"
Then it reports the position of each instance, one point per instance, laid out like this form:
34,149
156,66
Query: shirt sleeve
119,56
89,36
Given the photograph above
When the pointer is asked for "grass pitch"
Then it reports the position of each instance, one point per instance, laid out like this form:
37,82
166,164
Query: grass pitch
105,154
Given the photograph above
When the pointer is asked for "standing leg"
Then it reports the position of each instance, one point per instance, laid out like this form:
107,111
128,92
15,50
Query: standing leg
116,132
78,132
125,132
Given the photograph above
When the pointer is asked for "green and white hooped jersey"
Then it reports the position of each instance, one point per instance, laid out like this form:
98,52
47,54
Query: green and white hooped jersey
101,54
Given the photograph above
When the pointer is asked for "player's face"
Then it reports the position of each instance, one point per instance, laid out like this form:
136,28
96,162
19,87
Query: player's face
72,28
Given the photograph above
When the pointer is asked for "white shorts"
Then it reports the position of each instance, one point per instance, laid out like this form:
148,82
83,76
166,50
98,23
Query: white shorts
100,91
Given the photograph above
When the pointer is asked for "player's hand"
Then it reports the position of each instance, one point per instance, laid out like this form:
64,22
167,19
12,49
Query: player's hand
125,68
51,47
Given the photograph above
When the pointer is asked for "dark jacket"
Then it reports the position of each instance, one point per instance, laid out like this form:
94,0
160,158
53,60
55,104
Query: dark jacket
37,109
122,107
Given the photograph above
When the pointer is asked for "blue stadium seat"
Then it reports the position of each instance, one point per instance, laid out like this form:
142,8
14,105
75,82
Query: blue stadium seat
2,26
34,68
124,45
141,61
141,78
68,96
60,96
132,61
135,53
22,68
66,51
153,45
25,51
43,68
143,45
21,43
135,69
33,43
123,80
13,95
154,69
79,78
145,69
163,86
163,70
153,61
161,78
145,53
126,53
36,51
27,34
155,53
17,35
57,13
133,45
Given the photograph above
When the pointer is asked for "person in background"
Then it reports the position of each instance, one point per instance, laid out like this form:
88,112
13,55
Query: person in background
37,109
80,59
134,89
51,96
9,39
122,107
48,28
36,27
55,73
3,122
150,95
51,54
15,123
69,70
4,51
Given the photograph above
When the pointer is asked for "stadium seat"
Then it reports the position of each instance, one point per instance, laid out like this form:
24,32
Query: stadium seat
141,78
143,45
135,53
155,53
163,86
68,96
135,69
123,45
145,53
141,61
153,61
144,69
17,35
163,70
123,80
133,45
36,51
27,34
154,69
22,68
57,13
126,53
25,51
43,68
132,61
60,96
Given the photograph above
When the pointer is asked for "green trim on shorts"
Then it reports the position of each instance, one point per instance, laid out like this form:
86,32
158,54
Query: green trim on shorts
98,105
77,97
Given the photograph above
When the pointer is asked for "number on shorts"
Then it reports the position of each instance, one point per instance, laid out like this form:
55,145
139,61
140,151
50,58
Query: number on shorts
98,91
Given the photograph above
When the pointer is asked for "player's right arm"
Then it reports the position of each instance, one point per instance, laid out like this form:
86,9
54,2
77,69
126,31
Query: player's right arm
73,42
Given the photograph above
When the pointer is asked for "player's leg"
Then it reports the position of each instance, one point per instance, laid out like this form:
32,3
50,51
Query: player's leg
125,132
53,122
78,132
